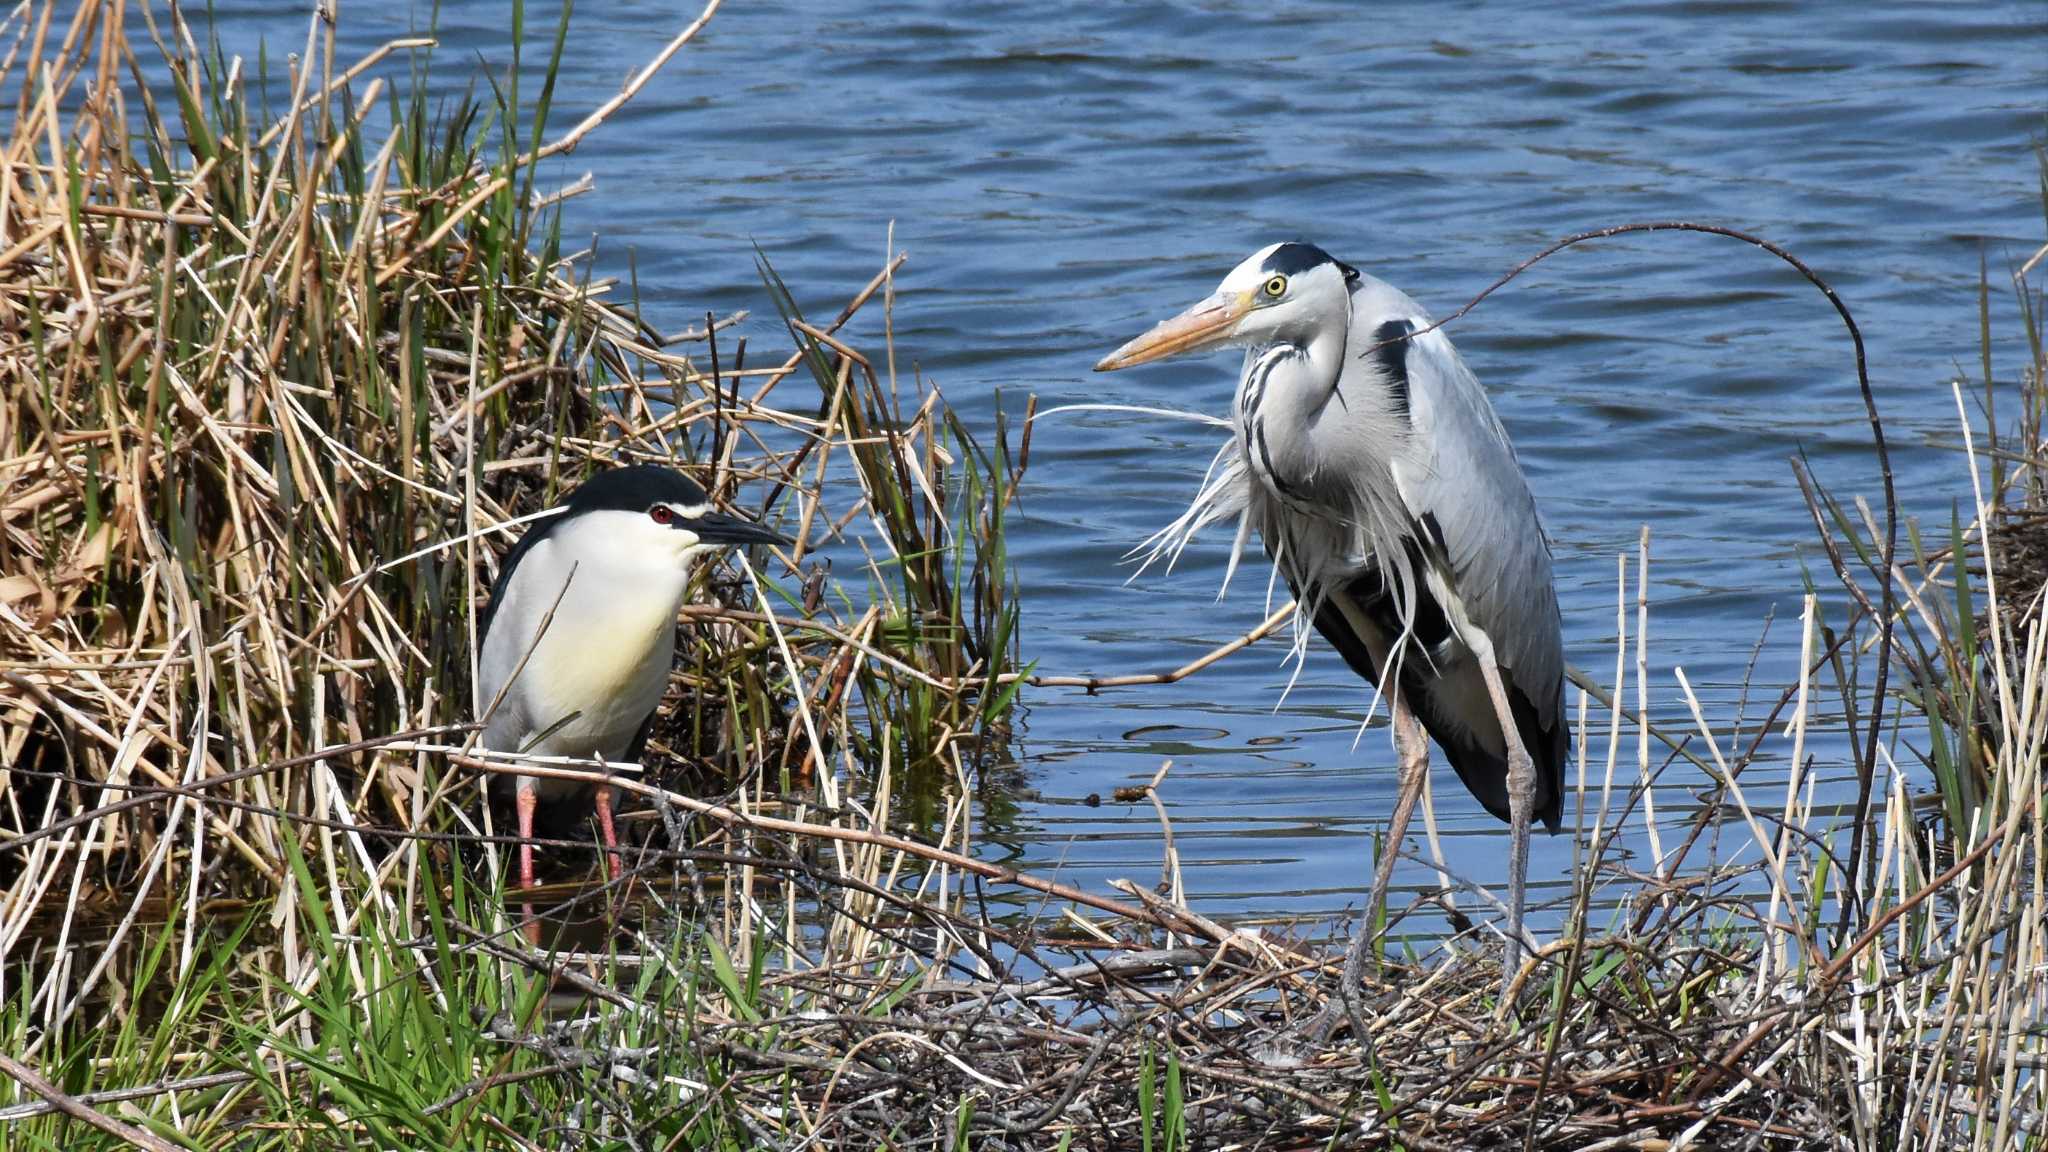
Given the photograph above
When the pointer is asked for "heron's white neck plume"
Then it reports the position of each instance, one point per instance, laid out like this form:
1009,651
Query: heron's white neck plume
1311,467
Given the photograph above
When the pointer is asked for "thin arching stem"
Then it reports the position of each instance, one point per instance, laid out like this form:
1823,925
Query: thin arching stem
1866,765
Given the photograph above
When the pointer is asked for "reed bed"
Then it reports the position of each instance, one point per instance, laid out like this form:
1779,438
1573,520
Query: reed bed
279,389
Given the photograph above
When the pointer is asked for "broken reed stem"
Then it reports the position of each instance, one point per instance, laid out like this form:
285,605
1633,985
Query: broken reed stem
77,1109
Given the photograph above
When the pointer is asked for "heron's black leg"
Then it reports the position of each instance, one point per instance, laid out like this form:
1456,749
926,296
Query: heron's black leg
1521,800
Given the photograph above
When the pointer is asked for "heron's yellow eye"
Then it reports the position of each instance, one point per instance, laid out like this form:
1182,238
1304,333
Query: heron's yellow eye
1276,286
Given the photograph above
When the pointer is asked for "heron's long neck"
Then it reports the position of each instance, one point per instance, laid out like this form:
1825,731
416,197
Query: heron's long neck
1286,390
1323,443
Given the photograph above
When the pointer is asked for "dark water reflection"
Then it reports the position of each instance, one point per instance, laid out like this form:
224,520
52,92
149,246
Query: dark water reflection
1065,174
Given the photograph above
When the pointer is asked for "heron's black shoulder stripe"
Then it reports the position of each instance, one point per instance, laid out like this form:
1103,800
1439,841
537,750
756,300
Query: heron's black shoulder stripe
1392,357
1298,256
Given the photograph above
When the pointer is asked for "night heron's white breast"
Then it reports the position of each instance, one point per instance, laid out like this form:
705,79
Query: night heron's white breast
607,658
591,615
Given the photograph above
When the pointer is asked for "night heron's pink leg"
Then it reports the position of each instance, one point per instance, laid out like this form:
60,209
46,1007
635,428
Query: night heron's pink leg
613,862
525,799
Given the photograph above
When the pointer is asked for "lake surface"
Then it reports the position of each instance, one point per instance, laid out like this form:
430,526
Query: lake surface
1065,174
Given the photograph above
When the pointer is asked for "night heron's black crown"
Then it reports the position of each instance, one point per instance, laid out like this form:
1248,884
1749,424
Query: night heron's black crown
635,488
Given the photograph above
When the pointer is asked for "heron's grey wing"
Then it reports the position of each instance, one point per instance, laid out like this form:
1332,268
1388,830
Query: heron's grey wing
1364,615
1465,484
1462,484
1471,485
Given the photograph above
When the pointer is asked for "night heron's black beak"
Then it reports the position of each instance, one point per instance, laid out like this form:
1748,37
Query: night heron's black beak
726,528
1203,326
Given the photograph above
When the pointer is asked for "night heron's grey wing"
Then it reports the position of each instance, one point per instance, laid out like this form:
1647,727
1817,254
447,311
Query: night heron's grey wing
499,651
638,747
510,565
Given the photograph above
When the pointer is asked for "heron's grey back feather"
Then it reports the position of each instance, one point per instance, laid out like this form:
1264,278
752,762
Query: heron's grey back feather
1464,475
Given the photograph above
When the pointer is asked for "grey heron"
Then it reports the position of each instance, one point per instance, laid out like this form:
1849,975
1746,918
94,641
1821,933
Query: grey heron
581,630
1385,490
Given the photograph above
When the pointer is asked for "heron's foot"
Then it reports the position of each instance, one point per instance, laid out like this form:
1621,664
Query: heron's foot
1331,1021
1345,1006
1340,1015
1519,972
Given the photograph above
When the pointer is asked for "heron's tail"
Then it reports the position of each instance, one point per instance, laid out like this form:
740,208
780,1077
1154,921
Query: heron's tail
1454,706
1446,709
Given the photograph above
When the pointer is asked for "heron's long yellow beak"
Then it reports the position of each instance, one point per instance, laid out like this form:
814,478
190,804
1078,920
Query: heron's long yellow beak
1199,327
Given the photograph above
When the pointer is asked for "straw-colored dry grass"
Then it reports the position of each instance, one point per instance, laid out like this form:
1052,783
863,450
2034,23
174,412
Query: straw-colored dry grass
273,392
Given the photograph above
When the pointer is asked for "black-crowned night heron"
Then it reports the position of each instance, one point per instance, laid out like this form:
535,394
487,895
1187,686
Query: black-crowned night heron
581,631
1386,492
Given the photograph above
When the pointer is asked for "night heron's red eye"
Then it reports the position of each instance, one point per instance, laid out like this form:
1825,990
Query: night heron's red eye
662,513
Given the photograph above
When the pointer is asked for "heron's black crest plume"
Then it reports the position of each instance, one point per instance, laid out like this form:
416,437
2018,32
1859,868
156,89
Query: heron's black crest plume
1298,256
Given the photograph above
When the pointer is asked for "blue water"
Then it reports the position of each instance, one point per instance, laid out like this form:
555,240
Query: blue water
1064,174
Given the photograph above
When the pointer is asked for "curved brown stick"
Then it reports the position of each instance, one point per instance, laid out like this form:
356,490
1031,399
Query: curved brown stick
568,142
1091,683
140,794
1866,765
1095,683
